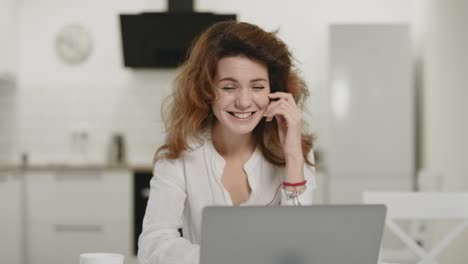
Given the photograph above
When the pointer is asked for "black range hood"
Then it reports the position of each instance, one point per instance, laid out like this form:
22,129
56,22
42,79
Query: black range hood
161,39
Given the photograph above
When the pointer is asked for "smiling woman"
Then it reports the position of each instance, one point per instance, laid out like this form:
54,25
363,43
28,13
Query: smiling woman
234,138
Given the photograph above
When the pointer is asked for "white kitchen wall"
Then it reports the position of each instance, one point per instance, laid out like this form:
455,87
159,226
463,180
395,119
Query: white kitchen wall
445,108
446,93
7,120
8,36
8,60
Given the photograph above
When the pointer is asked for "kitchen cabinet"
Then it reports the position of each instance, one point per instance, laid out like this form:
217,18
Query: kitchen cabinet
78,210
11,235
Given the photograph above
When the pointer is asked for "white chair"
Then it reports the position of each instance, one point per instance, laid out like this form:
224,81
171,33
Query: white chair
422,206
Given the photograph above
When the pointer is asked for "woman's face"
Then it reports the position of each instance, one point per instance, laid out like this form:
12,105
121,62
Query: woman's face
242,94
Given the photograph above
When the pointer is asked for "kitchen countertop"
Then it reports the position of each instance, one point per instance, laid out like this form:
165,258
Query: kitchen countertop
84,167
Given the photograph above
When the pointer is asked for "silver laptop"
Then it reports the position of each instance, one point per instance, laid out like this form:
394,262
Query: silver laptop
317,234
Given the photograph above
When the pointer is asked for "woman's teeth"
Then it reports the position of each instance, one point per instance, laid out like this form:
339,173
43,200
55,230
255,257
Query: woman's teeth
242,115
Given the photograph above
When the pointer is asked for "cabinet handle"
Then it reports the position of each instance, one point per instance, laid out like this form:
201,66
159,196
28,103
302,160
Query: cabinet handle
78,228
78,176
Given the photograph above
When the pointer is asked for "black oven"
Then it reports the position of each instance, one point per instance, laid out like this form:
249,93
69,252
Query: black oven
141,187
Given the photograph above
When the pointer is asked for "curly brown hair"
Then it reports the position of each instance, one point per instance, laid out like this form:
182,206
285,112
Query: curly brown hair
189,110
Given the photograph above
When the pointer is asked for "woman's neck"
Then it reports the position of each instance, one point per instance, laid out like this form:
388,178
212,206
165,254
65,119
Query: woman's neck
230,145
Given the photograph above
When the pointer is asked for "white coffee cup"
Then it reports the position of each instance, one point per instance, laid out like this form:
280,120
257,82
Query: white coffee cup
101,258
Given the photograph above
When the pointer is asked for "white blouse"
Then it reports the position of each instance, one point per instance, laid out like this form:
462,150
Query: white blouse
181,188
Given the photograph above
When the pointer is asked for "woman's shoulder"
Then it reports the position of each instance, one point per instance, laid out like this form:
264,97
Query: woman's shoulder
191,154
196,141
195,144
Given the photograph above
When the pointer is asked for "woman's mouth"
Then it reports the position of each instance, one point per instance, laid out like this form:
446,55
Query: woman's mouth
242,115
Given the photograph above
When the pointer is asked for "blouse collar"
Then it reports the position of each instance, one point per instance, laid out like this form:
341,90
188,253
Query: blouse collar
251,167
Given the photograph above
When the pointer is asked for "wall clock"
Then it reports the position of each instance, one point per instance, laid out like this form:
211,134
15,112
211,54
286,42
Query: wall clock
73,44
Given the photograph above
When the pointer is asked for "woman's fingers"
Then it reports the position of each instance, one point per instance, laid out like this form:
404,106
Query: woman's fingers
276,108
273,105
284,108
281,95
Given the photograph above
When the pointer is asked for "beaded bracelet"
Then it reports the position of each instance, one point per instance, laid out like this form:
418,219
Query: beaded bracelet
293,194
295,184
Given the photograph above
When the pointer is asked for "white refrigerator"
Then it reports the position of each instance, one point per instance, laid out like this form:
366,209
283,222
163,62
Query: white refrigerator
371,115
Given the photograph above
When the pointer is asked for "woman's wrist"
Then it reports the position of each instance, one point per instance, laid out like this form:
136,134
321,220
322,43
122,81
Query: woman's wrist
295,170
295,187
294,160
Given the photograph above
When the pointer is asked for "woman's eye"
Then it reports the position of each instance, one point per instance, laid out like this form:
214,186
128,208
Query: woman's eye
258,87
228,88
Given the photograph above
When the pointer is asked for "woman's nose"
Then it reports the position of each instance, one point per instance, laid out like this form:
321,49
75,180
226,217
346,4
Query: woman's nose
244,99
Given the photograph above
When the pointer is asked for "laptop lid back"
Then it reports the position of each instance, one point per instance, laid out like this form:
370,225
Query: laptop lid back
317,234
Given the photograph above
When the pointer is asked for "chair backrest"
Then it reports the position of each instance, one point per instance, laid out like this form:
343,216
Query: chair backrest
421,205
